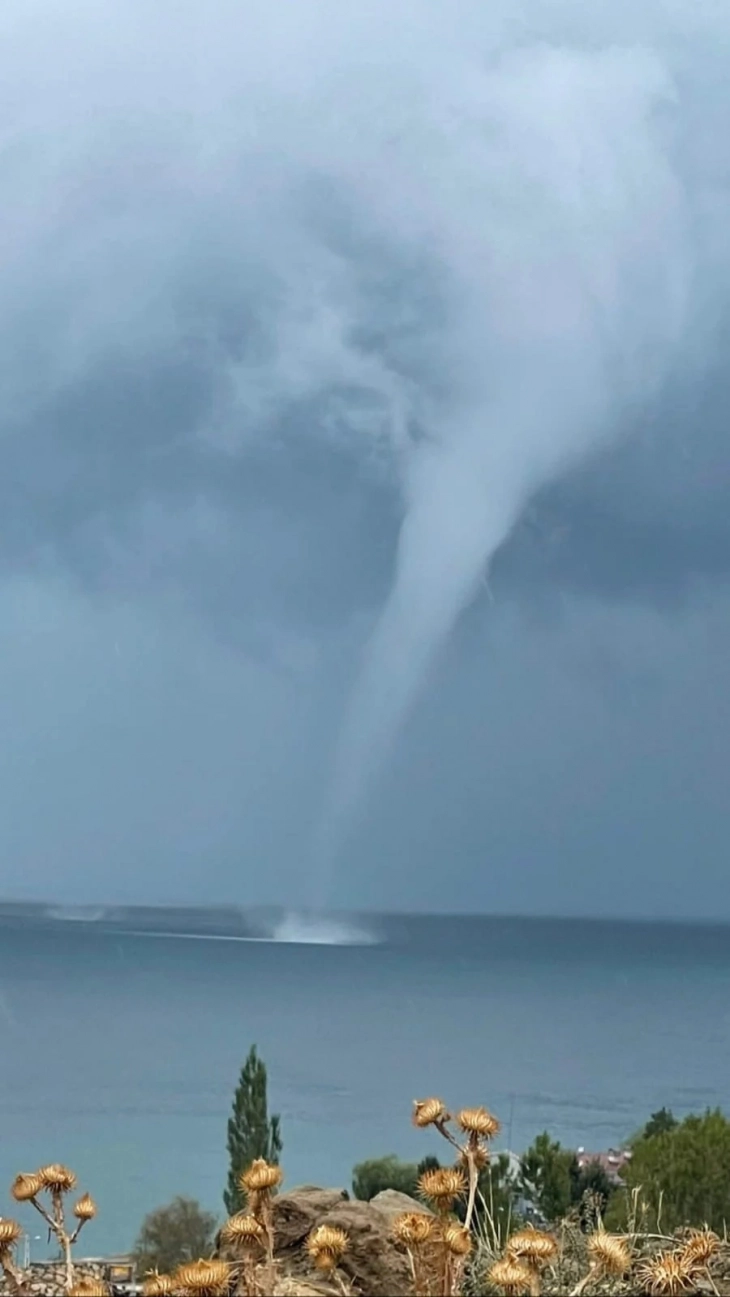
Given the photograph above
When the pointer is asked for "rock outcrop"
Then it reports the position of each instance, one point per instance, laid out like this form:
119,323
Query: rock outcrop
373,1263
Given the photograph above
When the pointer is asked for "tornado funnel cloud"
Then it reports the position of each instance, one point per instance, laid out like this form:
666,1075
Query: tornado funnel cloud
444,546
568,316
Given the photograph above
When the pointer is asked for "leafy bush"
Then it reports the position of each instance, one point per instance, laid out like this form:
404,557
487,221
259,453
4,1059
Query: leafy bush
173,1234
547,1177
379,1173
683,1174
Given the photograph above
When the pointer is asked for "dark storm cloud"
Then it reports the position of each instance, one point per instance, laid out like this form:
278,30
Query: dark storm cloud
234,250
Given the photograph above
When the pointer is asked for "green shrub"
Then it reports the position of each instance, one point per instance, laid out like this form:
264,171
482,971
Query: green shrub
169,1235
683,1173
369,1178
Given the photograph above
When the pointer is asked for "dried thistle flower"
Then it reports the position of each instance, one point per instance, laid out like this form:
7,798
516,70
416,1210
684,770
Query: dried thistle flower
514,1279
326,1245
10,1232
609,1253
25,1186
158,1285
89,1286
412,1228
426,1112
668,1275
242,1228
477,1121
533,1246
699,1248
260,1177
85,1208
457,1240
442,1186
203,1279
57,1178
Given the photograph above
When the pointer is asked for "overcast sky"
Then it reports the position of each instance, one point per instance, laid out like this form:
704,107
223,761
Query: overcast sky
254,258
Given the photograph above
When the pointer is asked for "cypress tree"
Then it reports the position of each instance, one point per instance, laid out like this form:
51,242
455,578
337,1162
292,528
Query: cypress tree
251,1132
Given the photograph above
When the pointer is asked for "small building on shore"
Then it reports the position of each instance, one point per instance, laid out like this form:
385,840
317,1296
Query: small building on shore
612,1161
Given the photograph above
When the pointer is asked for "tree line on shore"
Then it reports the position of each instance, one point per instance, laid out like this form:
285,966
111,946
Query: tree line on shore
681,1167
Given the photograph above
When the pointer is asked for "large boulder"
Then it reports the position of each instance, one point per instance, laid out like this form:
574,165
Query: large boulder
392,1203
300,1210
376,1266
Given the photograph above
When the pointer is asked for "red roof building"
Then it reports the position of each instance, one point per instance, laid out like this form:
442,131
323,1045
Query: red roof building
612,1162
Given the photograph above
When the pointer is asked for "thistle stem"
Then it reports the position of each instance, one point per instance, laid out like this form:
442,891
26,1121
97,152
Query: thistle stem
473,1182
39,1207
57,1225
584,1282
246,1285
65,1242
12,1273
267,1220
443,1129
77,1231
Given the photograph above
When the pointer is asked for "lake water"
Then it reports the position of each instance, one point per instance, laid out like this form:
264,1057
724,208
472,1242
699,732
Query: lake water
120,1053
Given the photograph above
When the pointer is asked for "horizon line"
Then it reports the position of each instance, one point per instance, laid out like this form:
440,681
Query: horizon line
464,915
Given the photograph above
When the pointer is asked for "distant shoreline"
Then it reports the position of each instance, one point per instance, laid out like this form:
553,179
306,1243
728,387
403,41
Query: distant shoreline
257,921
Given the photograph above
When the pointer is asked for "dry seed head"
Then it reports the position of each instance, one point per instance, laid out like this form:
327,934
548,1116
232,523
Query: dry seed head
10,1232
261,1177
699,1248
668,1275
442,1186
158,1285
428,1111
90,1286
25,1187
457,1240
477,1121
533,1246
609,1252
57,1178
85,1208
203,1279
412,1228
326,1245
243,1229
514,1279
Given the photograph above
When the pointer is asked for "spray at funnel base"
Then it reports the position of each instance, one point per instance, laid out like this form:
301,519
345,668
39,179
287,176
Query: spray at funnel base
311,930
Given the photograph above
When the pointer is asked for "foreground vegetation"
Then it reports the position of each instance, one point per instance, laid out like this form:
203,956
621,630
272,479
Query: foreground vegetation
471,1224
450,1237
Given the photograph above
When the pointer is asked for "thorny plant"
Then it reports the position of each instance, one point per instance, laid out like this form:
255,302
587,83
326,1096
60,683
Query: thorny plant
531,1261
326,1246
47,1190
248,1237
602,1262
438,1244
447,1256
